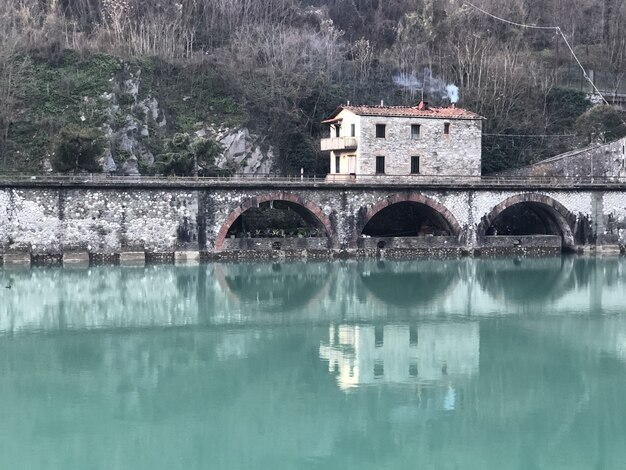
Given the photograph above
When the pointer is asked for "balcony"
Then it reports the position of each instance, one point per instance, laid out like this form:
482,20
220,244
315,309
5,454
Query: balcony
339,143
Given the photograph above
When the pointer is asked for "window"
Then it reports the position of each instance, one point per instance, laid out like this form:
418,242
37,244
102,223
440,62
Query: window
352,130
380,131
413,370
379,336
337,130
413,337
415,131
446,128
379,369
380,165
337,164
415,165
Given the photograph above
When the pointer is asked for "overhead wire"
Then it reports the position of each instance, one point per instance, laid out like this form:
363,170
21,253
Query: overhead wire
558,30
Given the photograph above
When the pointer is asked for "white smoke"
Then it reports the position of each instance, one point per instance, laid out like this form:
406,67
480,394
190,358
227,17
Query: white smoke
431,86
453,93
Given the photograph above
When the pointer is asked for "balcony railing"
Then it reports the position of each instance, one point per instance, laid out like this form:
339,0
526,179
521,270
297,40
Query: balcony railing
339,143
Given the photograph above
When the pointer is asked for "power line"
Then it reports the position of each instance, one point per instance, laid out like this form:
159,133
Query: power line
530,26
558,30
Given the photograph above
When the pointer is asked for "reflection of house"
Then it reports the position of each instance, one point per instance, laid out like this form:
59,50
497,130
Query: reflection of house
364,354
403,141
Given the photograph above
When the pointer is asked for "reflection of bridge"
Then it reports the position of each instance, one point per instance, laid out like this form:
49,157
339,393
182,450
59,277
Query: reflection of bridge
188,217
224,295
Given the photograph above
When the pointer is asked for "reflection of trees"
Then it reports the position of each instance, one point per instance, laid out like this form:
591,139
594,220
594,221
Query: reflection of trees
277,287
419,284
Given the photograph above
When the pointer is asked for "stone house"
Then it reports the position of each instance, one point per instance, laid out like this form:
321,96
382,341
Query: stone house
403,141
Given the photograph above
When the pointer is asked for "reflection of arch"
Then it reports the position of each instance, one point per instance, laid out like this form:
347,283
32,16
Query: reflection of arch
309,212
528,281
556,211
439,209
277,287
416,285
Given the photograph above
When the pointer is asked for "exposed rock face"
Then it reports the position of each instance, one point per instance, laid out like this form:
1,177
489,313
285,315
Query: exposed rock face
134,122
130,167
245,153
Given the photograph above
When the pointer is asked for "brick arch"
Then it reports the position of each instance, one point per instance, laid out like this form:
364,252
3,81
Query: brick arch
410,197
561,216
308,207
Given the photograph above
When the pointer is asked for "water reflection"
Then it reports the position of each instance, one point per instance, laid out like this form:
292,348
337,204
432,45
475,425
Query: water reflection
352,292
273,287
410,284
312,367
437,353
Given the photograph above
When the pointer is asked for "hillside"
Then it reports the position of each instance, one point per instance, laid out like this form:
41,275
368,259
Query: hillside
151,86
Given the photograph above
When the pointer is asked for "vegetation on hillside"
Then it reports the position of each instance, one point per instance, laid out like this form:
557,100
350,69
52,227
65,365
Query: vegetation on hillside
281,66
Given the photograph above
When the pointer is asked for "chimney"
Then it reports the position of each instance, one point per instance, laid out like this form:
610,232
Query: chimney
382,103
348,103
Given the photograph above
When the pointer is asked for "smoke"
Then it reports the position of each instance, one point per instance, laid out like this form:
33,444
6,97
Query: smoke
431,86
453,93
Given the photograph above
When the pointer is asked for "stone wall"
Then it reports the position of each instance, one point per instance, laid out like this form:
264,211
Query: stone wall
602,161
458,153
106,220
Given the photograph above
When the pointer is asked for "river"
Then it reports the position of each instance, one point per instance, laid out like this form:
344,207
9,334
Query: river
455,364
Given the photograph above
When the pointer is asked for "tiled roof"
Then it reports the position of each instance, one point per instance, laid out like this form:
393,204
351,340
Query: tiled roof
406,111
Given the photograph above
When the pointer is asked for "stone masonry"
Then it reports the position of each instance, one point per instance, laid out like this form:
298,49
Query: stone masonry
447,141
109,218
600,161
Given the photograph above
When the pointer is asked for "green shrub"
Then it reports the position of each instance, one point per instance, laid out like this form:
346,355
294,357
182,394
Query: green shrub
77,149
602,123
183,156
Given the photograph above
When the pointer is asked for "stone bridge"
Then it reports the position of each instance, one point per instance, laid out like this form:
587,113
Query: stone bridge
184,219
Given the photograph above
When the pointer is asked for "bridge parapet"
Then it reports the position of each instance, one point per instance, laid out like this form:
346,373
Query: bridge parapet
105,216
517,179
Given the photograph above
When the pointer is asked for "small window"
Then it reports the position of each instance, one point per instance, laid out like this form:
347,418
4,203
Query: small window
380,165
379,369
352,130
380,131
379,336
337,164
415,165
415,131
337,130
446,128
413,337
413,370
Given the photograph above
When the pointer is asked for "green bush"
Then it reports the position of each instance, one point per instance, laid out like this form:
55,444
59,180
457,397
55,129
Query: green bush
77,149
602,123
183,156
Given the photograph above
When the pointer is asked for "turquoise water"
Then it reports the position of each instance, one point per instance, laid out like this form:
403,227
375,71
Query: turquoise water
471,364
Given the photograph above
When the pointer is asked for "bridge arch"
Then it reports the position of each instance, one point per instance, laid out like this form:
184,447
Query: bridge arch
310,212
433,209
549,211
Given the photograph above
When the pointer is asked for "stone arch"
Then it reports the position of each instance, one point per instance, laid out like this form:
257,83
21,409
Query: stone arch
560,215
440,210
307,210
